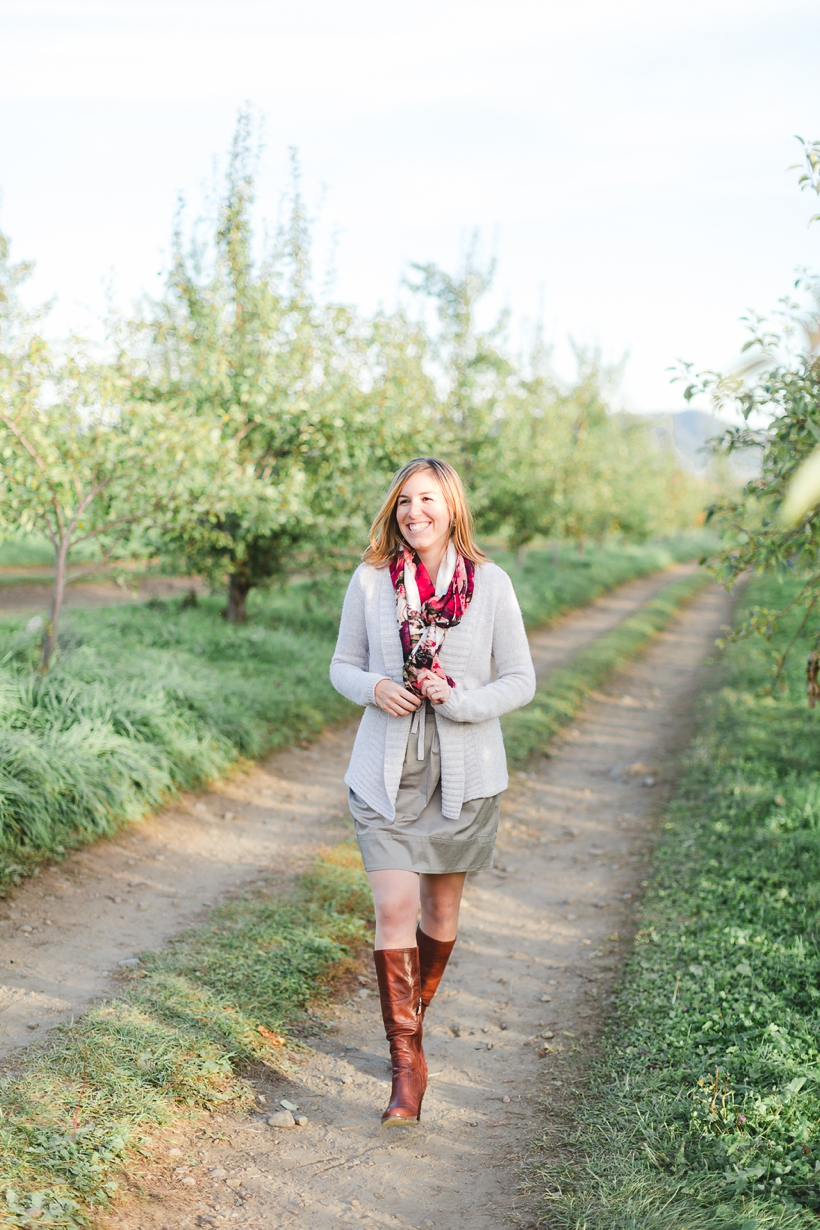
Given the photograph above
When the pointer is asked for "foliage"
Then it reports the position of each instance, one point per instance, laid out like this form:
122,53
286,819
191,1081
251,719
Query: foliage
570,469
150,698
473,376
708,1092
238,990
776,397
542,458
26,551
246,427
322,404
559,698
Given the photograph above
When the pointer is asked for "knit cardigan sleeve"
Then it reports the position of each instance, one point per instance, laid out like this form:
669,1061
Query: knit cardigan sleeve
349,672
515,682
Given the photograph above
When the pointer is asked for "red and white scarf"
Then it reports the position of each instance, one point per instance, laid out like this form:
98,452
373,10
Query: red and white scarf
425,611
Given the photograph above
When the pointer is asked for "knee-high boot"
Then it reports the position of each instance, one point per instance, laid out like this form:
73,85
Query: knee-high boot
433,958
397,971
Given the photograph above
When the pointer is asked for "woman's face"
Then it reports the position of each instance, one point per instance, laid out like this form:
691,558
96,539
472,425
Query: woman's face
422,513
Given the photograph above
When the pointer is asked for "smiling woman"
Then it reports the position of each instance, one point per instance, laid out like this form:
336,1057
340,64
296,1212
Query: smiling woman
426,619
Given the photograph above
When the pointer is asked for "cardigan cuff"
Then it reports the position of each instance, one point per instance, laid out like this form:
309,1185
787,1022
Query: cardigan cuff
372,680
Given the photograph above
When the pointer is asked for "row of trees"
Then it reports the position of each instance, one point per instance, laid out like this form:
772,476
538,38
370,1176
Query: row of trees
241,426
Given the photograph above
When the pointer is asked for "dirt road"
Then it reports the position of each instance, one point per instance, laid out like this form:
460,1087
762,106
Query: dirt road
540,940
33,596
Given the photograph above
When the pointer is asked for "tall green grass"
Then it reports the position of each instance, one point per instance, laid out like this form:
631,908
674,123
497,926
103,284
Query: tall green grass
704,1110
155,697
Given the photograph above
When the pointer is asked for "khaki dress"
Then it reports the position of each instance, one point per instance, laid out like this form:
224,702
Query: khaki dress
421,838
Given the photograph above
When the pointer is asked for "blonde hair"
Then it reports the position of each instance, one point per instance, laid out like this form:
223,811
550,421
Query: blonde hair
386,540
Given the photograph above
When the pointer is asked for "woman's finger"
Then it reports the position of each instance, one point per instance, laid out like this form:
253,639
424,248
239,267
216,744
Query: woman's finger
407,702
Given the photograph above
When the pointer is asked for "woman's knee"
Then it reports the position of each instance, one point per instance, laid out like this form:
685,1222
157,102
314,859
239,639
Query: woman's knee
394,911
441,895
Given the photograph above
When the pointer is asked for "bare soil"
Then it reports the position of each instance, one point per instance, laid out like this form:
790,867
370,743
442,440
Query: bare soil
34,596
541,940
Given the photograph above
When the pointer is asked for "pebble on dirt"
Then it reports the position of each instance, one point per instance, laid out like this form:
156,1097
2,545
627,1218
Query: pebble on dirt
281,1119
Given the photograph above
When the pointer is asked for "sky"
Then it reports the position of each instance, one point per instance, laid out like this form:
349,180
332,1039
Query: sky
624,161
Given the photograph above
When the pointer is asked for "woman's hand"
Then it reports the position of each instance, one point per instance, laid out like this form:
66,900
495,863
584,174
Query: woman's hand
433,687
394,699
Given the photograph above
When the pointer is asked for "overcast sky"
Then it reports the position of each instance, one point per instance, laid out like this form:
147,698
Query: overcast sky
625,160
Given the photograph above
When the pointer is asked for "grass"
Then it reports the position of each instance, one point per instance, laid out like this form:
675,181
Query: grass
151,698
704,1107
190,1021
559,698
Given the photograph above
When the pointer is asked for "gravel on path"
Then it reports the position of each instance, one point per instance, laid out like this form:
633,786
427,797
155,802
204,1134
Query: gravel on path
542,938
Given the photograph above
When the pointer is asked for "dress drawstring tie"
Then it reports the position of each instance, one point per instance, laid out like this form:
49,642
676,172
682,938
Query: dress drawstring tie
419,724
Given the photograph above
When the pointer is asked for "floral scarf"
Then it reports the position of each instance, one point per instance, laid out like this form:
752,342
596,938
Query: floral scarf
424,618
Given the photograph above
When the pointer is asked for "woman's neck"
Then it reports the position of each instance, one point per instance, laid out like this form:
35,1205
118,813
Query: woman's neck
433,560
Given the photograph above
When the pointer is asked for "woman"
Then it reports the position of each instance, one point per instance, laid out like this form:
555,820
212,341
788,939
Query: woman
425,619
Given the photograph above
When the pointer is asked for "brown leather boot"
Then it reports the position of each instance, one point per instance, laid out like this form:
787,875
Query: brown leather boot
433,958
397,971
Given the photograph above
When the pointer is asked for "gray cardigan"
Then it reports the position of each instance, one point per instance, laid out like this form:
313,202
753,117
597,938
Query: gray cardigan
473,763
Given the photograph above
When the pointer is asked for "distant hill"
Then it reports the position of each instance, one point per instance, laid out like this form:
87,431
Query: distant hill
688,432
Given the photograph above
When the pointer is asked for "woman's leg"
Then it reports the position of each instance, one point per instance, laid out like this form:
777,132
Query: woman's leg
396,957
440,902
396,902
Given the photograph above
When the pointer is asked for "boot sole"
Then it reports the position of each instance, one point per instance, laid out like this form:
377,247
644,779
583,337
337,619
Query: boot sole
398,1121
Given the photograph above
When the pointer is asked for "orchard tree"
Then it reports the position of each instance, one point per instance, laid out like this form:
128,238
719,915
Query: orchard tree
82,464
317,404
776,394
473,375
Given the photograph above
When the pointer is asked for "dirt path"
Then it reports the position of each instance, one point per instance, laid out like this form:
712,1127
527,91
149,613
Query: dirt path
554,646
63,933
35,597
540,940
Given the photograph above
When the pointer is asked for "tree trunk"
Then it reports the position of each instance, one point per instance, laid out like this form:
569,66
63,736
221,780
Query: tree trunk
52,627
239,586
